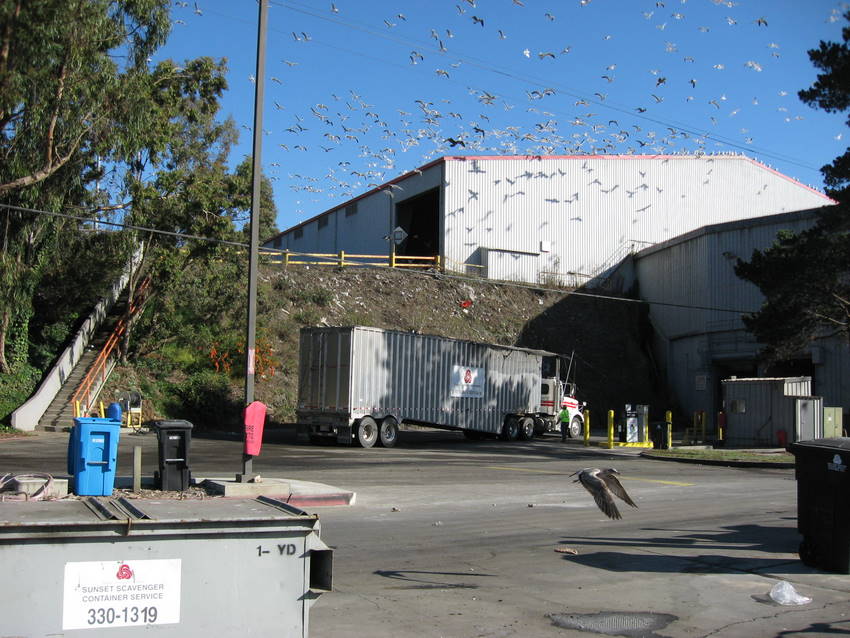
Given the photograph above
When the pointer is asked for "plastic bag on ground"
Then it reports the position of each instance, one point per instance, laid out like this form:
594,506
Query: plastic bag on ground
784,593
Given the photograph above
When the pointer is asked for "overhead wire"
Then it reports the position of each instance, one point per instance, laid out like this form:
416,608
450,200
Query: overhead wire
514,284
569,91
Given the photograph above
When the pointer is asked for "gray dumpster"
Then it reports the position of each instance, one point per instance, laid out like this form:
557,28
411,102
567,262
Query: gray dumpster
167,567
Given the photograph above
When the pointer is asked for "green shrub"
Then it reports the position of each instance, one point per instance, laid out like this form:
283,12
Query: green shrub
15,389
205,399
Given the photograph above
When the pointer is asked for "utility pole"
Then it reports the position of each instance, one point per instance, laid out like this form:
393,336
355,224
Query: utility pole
253,251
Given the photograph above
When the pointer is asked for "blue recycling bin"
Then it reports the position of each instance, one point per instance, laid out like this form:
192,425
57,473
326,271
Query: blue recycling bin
93,455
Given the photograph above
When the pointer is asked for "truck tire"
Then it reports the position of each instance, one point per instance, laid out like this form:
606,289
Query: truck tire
526,429
367,432
510,430
539,426
575,428
388,432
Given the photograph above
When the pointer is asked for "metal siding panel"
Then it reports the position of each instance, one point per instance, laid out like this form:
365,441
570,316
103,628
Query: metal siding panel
589,208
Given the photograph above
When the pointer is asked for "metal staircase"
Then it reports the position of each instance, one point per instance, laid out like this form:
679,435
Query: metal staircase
59,415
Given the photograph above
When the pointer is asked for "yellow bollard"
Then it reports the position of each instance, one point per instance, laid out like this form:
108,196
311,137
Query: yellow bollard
102,412
668,417
586,428
610,428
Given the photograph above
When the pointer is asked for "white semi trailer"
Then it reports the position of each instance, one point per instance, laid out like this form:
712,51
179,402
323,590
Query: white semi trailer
358,384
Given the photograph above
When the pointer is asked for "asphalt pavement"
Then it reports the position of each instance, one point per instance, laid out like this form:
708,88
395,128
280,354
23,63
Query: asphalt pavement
453,538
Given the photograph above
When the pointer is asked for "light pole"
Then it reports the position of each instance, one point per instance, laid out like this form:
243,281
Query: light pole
253,251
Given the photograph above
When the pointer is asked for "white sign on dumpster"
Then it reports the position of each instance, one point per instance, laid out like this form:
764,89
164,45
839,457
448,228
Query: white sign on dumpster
100,594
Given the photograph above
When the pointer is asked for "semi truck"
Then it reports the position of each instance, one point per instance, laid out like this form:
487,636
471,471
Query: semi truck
358,384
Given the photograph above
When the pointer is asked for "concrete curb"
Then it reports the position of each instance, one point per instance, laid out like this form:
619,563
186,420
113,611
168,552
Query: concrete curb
779,465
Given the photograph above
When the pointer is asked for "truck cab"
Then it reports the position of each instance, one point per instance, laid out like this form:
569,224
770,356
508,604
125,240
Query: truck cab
555,395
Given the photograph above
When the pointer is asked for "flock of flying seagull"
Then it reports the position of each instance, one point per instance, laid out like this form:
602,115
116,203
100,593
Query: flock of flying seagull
364,143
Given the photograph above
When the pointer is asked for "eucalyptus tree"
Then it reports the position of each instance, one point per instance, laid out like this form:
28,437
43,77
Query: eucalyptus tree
91,128
67,68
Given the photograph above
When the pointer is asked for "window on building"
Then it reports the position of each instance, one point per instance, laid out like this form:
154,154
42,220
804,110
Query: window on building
351,209
278,241
738,406
298,233
323,221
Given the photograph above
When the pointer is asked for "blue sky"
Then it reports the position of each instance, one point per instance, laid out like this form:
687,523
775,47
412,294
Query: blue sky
360,91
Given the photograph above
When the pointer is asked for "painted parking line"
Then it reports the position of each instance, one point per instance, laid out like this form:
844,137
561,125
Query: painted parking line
643,480
622,478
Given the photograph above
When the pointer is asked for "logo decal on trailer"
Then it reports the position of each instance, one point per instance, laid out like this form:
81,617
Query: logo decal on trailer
467,382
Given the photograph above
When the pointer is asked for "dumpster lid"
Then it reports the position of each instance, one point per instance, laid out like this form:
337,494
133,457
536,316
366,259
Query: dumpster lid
838,443
176,424
110,516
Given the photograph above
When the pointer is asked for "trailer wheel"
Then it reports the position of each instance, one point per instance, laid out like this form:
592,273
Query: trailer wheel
526,429
575,428
367,432
388,432
510,430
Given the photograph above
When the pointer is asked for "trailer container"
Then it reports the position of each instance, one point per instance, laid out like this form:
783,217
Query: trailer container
358,384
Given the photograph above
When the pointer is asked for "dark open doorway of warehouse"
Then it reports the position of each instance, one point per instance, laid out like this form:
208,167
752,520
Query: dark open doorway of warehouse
419,217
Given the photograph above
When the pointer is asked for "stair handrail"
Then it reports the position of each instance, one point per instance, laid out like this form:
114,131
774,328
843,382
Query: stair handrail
82,398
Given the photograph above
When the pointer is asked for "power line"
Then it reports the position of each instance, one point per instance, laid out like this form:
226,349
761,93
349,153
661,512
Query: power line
513,284
484,65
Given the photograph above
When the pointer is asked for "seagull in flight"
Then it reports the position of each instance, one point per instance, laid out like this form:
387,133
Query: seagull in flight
603,486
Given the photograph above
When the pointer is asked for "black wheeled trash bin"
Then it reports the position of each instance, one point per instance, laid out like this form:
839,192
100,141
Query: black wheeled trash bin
175,438
822,469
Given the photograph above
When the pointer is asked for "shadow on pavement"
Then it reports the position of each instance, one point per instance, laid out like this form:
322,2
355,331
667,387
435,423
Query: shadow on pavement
746,541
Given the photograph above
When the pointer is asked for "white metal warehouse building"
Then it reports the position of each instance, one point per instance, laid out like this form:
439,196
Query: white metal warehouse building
548,218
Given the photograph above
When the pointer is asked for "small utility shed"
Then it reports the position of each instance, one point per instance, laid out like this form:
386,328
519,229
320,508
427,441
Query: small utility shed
542,219
771,411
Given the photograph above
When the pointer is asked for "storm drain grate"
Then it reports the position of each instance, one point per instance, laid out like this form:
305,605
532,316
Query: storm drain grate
615,623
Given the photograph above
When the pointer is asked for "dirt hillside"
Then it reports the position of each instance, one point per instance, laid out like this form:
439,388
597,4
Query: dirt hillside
609,339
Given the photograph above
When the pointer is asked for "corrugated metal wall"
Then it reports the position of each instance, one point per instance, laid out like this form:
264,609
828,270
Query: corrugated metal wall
697,269
566,214
363,231
574,213
410,376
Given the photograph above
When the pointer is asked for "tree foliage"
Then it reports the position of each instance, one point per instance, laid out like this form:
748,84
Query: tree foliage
88,126
63,91
831,92
805,277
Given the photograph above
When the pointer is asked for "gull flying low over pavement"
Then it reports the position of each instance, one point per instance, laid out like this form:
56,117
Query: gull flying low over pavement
603,486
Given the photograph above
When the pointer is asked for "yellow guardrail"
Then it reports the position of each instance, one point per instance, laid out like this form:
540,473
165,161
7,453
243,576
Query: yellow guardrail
343,259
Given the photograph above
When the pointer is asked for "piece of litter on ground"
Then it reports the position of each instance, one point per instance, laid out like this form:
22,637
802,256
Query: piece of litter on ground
784,593
566,550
